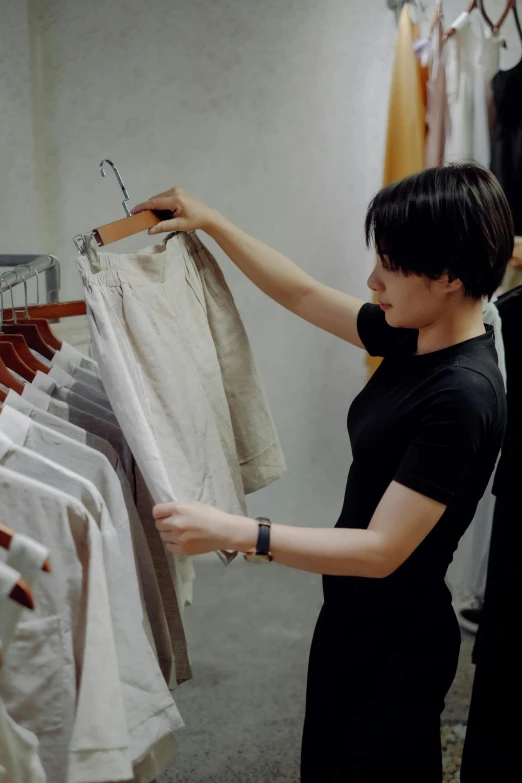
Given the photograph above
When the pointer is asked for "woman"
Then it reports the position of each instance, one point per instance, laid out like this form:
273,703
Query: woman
425,435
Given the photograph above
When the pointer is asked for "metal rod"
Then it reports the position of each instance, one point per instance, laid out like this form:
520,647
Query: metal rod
37,264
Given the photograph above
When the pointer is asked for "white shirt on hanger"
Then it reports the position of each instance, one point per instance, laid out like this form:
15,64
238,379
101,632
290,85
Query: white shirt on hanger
60,674
151,712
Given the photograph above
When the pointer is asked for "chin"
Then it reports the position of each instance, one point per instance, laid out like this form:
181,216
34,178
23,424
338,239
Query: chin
391,318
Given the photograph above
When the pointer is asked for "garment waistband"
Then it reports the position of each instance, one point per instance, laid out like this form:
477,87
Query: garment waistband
152,264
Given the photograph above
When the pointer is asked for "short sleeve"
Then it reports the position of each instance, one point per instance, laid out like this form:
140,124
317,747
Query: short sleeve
447,437
378,338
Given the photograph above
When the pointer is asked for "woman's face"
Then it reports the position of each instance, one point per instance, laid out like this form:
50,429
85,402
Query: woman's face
413,302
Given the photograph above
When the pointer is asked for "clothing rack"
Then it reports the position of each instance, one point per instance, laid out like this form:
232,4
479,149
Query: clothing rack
32,265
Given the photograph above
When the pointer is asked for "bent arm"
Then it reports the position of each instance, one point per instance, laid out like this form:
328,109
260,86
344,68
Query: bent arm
287,284
400,523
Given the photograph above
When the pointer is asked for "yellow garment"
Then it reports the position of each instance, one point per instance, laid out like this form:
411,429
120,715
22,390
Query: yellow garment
406,137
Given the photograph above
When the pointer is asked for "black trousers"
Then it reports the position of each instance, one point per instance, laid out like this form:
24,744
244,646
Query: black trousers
375,694
492,745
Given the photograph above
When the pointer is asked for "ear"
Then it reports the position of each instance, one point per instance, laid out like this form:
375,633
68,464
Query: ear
449,285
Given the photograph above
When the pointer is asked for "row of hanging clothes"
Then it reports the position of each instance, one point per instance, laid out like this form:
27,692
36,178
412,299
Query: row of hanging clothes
170,407
451,102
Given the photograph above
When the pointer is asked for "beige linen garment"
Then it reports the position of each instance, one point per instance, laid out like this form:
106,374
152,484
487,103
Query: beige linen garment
164,376
256,443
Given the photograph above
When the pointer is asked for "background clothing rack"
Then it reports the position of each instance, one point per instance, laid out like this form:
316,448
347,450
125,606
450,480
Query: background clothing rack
36,264
50,267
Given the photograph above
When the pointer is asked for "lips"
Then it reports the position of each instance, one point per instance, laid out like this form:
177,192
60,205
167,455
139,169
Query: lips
384,306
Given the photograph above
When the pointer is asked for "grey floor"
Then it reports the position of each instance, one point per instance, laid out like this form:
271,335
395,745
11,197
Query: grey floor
249,631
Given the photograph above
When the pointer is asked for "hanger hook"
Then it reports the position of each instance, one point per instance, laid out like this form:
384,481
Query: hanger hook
1,311
24,280
2,276
37,275
120,183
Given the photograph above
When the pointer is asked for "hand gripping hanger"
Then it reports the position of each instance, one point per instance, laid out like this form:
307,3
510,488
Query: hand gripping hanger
128,226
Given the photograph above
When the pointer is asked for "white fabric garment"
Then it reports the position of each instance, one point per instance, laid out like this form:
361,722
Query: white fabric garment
66,645
63,378
79,374
8,578
472,61
39,412
158,632
149,707
77,357
468,572
19,759
26,556
42,400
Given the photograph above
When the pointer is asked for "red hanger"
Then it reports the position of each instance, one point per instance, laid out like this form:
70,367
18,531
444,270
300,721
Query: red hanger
33,337
13,361
54,310
7,379
21,593
22,349
43,326
6,537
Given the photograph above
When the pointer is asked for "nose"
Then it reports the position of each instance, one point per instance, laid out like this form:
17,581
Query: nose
374,282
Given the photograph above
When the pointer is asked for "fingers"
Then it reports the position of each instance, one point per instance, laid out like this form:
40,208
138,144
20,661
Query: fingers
167,225
165,525
162,510
166,200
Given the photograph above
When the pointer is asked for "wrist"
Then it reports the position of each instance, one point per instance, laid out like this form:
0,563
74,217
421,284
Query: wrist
213,222
242,534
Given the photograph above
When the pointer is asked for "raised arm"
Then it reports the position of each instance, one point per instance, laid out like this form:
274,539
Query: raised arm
272,272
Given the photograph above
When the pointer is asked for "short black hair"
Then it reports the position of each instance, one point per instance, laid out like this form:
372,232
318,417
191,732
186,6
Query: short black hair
451,219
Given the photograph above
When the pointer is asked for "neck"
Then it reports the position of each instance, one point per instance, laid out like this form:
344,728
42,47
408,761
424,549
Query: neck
463,324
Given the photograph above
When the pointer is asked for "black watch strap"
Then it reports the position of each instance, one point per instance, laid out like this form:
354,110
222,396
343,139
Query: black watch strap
263,538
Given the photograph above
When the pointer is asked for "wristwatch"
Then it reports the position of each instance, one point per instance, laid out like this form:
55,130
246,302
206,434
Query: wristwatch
261,554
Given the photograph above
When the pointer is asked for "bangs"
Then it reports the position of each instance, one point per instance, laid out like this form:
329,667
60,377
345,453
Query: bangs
452,220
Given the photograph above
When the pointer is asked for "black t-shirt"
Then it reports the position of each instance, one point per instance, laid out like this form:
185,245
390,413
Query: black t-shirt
433,423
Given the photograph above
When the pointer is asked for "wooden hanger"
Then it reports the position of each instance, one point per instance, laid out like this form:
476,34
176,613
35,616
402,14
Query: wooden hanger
7,379
54,310
20,345
13,361
22,349
32,336
43,326
511,5
127,226
21,593
6,538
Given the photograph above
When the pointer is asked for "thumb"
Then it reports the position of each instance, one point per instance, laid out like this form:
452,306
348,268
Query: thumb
176,224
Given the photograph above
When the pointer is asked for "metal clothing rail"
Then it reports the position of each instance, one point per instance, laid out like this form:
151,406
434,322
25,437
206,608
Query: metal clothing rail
32,265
